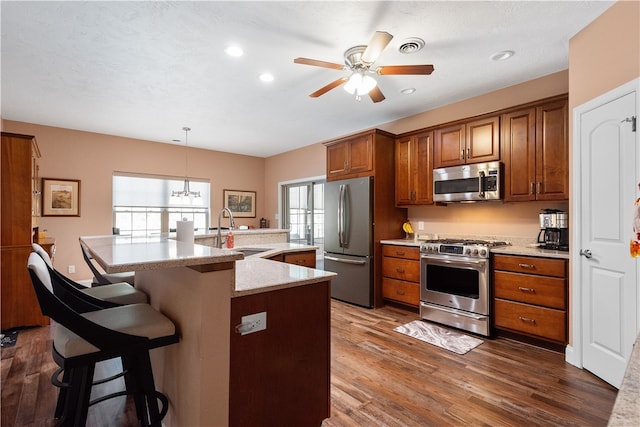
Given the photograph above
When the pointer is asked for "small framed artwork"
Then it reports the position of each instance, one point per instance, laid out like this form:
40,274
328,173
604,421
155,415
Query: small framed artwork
60,197
242,204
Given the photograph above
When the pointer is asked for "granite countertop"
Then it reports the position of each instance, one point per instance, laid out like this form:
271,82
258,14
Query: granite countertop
529,250
269,250
626,409
402,242
237,231
257,275
117,254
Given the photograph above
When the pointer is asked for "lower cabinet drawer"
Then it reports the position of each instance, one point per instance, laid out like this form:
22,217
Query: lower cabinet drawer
401,291
401,269
539,290
543,322
305,259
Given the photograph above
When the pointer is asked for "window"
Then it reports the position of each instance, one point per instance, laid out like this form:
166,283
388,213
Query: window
142,204
303,212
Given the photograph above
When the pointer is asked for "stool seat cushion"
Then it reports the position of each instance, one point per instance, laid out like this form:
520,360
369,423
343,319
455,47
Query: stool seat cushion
119,293
127,276
136,319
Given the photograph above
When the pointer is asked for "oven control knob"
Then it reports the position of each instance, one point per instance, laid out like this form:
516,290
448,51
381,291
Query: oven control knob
467,251
475,252
483,252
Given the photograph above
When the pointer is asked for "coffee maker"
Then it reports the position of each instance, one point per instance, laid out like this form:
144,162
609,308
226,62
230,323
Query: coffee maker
554,230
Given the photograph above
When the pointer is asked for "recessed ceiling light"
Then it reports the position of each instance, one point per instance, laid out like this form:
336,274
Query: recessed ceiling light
501,56
234,51
266,77
408,91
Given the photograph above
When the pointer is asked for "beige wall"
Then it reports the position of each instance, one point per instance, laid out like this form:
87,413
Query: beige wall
92,158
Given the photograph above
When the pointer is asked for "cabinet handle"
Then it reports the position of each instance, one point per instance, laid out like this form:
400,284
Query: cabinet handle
462,154
526,319
533,188
400,253
529,266
539,187
400,291
400,270
529,290
468,153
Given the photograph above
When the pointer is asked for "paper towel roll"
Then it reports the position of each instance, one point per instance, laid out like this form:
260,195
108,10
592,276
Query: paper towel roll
184,231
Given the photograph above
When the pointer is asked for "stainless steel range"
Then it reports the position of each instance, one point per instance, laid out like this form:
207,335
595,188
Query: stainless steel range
454,283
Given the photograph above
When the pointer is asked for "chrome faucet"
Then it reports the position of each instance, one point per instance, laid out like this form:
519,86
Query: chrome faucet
232,225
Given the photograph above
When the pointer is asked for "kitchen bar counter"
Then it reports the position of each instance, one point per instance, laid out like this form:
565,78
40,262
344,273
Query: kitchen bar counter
194,285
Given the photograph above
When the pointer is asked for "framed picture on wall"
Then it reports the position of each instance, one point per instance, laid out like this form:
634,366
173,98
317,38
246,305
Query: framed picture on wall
242,204
60,197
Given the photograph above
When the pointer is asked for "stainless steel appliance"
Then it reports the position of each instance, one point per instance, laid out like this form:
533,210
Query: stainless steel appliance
480,181
554,230
348,245
454,283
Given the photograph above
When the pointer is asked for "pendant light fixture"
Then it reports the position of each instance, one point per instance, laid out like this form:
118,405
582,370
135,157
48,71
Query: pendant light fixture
186,196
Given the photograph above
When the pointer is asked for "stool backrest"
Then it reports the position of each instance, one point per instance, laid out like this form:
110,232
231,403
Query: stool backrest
52,306
43,254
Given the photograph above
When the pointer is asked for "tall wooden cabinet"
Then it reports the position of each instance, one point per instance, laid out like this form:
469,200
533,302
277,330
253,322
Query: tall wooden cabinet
20,211
373,150
414,164
535,152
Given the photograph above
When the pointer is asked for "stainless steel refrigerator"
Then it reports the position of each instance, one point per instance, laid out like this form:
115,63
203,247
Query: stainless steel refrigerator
348,246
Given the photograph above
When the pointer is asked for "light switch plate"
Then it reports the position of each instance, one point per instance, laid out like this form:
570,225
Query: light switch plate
420,225
253,323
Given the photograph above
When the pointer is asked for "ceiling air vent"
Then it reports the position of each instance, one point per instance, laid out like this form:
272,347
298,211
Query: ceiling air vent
411,45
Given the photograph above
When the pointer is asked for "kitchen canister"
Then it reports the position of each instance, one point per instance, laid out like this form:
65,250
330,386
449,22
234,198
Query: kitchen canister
184,231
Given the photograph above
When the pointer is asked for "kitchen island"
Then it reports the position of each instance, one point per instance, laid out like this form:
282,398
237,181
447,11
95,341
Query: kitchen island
209,375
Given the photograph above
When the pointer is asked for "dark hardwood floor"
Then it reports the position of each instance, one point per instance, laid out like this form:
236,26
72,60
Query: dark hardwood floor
378,378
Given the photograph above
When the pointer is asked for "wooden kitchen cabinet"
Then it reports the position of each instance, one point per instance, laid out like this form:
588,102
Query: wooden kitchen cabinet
350,158
280,375
472,141
401,274
305,259
530,296
414,169
536,152
20,210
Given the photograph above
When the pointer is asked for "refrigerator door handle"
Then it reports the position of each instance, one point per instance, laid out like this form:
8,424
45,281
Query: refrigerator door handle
345,261
342,216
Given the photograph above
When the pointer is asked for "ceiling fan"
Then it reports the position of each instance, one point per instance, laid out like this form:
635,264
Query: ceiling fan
359,60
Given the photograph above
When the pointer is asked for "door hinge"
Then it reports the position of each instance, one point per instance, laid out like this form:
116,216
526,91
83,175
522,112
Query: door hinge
631,119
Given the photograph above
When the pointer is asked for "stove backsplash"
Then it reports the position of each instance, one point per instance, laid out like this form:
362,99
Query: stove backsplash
517,223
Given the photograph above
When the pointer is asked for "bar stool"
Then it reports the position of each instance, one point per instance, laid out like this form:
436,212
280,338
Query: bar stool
83,339
101,279
118,293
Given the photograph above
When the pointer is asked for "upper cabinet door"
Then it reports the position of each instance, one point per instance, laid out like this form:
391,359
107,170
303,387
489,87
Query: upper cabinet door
552,151
467,142
414,166
350,158
483,140
519,155
449,146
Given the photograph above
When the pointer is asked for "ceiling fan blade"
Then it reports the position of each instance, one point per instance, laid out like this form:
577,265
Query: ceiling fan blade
376,94
315,62
405,69
334,84
378,42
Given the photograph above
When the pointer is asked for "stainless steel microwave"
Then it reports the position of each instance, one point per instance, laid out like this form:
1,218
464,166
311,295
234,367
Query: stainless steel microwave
466,183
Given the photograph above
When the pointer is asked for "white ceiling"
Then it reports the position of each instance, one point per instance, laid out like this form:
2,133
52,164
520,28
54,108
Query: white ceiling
147,69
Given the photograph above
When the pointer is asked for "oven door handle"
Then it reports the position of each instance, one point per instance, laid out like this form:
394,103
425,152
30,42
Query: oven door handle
454,311
457,263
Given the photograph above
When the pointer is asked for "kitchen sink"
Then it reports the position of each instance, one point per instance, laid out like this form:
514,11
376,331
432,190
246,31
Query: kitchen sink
250,251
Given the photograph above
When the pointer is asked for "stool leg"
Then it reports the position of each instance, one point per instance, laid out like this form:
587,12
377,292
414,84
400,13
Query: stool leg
133,387
145,375
84,380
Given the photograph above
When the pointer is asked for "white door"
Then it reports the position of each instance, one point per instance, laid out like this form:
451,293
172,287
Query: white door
608,182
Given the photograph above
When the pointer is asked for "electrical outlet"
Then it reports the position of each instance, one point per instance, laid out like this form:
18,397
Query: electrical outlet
252,323
420,225
71,269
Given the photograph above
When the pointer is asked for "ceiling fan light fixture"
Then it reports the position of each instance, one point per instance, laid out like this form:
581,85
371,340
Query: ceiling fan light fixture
359,84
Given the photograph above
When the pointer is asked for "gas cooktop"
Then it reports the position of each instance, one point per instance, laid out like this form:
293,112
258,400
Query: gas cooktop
462,247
